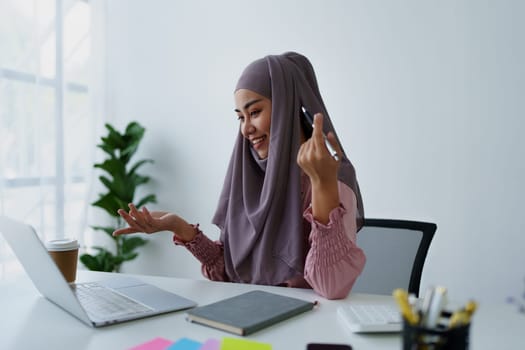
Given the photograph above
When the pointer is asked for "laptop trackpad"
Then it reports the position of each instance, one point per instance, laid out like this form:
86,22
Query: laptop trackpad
156,298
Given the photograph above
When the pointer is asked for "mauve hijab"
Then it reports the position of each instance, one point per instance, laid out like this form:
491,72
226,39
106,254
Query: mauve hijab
260,206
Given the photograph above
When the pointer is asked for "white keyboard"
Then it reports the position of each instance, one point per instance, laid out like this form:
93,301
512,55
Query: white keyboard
368,318
102,303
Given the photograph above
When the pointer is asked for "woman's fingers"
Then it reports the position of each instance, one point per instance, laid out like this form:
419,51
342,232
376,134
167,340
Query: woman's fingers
317,135
314,157
333,141
124,231
320,139
134,218
304,152
147,216
128,218
315,148
141,220
134,212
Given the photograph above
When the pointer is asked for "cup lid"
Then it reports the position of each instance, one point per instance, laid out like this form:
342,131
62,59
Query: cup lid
62,244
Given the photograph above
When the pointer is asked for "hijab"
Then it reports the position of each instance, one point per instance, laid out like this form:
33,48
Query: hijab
260,207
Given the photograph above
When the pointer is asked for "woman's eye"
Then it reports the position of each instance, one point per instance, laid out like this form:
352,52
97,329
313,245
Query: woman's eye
254,113
240,118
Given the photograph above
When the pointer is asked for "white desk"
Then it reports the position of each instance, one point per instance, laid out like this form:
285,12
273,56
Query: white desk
29,321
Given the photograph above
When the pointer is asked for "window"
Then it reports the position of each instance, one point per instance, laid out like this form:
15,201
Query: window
46,131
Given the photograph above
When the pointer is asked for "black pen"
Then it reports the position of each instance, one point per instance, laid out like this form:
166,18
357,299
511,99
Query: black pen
310,120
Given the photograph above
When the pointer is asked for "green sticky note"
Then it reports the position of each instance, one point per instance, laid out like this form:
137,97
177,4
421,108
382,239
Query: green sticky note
243,344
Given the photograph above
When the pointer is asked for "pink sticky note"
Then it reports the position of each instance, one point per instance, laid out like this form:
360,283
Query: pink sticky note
211,344
154,344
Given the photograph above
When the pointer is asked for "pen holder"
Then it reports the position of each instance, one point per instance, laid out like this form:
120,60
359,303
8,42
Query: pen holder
421,338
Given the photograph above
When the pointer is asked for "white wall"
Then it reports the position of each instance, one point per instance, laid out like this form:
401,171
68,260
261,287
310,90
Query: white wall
426,97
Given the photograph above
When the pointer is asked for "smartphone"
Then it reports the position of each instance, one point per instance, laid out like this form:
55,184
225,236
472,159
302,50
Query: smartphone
307,122
327,346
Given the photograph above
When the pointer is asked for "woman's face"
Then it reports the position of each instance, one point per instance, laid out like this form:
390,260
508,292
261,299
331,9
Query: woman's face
254,112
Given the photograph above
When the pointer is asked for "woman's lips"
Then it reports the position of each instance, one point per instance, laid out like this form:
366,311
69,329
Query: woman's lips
258,142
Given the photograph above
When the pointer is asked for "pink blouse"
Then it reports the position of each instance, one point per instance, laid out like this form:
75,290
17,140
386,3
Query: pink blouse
333,263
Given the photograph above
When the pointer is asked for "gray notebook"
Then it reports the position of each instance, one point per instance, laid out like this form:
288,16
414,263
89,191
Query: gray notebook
249,312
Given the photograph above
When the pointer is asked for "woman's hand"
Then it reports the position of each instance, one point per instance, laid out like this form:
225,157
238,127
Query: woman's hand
156,221
316,161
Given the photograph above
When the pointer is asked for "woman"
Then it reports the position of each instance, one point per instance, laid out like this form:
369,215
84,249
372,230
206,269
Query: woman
289,211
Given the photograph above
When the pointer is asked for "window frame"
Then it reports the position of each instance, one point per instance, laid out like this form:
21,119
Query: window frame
60,88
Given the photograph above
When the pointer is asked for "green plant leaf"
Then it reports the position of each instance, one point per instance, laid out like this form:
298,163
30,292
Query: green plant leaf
109,185
114,139
133,135
123,204
138,180
118,260
129,244
109,203
147,199
108,149
102,261
91,262
105,259
107,230
113,167
138,164
135,130
129,256
121,187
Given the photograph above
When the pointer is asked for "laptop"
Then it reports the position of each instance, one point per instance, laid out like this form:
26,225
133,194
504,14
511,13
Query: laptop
126,298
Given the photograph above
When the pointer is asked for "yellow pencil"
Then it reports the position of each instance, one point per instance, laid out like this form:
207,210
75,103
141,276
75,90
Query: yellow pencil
463,316
401,296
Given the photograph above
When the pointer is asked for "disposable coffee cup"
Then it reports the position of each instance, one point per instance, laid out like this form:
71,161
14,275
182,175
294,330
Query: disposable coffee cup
65,254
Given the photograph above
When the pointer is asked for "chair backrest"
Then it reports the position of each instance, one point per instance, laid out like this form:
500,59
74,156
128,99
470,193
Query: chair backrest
395,253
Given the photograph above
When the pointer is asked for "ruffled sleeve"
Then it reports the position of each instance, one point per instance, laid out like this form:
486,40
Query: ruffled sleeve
209,253
334,261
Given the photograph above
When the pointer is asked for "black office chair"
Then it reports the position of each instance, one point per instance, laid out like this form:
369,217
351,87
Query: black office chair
395,253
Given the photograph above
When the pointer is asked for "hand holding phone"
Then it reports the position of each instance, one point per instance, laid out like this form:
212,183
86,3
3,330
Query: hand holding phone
308,121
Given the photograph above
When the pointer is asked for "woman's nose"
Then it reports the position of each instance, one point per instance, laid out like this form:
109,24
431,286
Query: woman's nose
247,127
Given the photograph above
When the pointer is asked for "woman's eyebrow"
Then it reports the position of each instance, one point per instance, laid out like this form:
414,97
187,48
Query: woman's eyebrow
248,104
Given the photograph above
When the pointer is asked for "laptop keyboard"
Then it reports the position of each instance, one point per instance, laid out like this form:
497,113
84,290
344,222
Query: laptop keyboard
103,303
370,317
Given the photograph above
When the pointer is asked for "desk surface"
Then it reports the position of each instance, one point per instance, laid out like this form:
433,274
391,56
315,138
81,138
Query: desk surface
29,321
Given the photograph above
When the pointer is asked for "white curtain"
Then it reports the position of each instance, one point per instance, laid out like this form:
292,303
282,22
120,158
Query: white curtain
99,114
51,74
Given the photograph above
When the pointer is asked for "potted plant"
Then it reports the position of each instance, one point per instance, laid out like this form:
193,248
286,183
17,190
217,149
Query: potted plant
121,185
